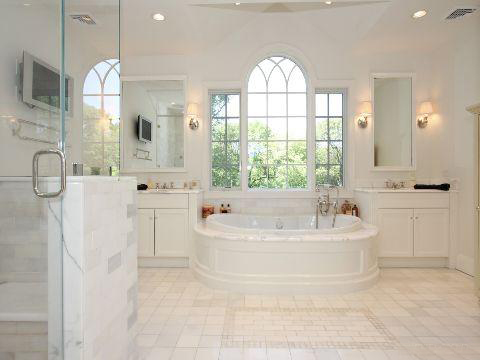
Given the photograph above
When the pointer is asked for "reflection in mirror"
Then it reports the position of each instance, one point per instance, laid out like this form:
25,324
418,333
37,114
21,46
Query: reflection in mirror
153,130
393,122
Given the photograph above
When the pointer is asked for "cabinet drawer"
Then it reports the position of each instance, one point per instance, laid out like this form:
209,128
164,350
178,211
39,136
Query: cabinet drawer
403,200
162,201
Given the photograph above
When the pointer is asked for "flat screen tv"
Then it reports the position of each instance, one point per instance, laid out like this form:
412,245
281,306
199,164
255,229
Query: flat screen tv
40,85
144,129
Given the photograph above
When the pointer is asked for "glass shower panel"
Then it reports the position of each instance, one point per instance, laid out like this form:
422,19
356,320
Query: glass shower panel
31,119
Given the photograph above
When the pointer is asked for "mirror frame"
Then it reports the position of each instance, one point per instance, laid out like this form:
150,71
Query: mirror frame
123,169
412,166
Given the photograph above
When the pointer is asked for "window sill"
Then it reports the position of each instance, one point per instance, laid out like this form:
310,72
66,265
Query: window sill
271,194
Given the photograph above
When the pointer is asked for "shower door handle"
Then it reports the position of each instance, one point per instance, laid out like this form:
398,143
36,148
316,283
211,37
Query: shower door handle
63,174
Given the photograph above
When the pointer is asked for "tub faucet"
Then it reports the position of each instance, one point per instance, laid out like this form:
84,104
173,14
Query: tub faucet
324,203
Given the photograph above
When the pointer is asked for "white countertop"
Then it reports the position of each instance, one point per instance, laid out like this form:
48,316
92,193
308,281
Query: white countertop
404,190
170,191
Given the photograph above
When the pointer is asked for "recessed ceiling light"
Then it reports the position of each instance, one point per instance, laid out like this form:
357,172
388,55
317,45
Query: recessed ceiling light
328,2
27,4
158,17
418,14
237,4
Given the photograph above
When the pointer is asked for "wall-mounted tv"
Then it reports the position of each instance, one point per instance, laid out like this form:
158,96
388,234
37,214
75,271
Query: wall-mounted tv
144,129
40,85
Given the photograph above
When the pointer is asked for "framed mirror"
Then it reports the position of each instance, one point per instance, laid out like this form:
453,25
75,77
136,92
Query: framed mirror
393,122
153,124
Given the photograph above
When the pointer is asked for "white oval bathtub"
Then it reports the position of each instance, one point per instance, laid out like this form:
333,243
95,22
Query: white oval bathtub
285,254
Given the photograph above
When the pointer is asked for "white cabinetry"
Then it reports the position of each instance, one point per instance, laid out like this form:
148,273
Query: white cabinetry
165,225
416,228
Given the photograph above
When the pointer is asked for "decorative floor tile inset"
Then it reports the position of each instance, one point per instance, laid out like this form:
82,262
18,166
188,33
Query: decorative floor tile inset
308,327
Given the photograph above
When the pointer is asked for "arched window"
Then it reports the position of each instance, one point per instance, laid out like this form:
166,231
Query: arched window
277,125
101,118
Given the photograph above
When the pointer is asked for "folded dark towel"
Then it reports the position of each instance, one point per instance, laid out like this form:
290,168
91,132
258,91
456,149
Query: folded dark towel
142,187
444,187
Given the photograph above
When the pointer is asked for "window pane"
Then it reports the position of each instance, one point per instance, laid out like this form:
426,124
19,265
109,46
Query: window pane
287,66
277,152
257,153
257,82
112,106
257,129
297,128
297,177
297,105
257,177
322,129
218,129
92,131
297,152
112,83
112,155
218,153
217,106
218,176
267,67
297,82
277,177
233,153
233,105
321,175
93,154
257,105
277,129
233,129
277,81
335,104
232,178
92,107
335,128
321,153
336,152
277,105
102,68
335,175
321,105
92,84
112,131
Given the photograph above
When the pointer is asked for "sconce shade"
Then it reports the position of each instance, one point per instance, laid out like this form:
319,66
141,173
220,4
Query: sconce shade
366,108
426,108
192,109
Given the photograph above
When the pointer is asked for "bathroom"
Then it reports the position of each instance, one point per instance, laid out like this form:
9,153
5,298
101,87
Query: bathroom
279,112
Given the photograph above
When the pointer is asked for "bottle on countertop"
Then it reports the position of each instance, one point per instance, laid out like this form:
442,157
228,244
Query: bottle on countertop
355,211
150,184
229,209
346,208
223,209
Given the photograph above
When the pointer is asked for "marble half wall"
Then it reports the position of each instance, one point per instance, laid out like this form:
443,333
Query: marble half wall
98,249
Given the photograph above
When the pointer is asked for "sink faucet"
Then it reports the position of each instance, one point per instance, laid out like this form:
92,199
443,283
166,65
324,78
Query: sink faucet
324,203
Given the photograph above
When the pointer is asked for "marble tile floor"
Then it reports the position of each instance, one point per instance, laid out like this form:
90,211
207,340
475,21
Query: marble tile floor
411,314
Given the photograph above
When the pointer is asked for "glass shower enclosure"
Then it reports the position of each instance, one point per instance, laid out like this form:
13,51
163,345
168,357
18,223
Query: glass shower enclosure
47,49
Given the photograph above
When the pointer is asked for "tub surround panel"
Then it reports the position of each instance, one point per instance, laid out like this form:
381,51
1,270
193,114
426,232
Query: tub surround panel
100,267
282,263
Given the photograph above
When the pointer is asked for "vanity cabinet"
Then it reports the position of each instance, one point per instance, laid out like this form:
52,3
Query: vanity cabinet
166,219
416,228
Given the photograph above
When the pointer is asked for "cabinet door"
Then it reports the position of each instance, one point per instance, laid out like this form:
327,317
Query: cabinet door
395,237
432,230
146,232
171,226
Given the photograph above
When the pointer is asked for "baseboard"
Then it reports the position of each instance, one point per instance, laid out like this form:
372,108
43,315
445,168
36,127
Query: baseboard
413,262
163,262
466,264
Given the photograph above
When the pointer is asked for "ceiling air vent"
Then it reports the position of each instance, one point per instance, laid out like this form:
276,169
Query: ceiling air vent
83,19
458,13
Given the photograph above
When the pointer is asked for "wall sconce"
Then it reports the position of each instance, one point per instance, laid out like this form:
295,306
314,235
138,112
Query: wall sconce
426,109
192,114
365,112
